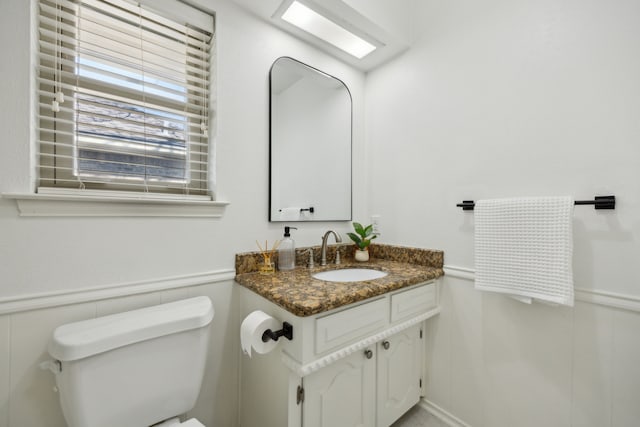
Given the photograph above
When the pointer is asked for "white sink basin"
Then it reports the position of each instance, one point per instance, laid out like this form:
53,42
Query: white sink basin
350,275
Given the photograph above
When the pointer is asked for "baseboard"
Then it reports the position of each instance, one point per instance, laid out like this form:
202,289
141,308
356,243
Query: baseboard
441,414
603,298
58,298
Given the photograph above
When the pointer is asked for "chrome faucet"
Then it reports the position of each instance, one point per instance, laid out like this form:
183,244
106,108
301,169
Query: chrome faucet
323,253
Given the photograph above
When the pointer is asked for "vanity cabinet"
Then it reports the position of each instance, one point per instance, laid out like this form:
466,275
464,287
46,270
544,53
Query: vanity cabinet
357,365
341,394
399,374
371,387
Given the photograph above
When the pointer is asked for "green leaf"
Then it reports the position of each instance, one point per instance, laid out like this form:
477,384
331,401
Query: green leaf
368,230
355,238
358,227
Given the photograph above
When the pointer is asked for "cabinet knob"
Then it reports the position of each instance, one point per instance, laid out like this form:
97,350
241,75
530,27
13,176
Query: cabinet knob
386,344
368,354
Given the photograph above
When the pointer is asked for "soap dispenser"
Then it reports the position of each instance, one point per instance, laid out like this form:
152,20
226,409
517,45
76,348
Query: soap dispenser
287,251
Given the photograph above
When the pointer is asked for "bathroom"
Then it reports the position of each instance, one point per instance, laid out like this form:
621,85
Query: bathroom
490,99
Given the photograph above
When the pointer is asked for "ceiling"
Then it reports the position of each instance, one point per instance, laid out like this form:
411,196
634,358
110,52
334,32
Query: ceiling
386,22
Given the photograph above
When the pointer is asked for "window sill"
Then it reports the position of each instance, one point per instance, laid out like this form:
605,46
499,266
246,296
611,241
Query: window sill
75,203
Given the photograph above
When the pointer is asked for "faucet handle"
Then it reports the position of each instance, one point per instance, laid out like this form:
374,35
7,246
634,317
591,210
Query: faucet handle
337,256
310,252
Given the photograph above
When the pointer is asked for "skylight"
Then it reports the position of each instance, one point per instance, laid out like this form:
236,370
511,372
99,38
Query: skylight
318,25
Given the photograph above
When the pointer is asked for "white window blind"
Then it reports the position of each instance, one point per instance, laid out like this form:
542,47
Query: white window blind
123,96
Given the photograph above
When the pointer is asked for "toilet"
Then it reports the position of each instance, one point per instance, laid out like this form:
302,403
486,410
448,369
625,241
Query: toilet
134,369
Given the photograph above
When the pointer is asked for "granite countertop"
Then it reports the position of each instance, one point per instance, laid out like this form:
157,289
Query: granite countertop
299,293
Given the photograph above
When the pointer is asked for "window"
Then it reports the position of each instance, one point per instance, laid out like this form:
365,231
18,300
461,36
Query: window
124,96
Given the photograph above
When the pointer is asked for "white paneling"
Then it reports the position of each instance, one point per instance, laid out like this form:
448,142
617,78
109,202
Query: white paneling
127,303
33,401
527,357
592,365
5,385
437,385
175,294
537,364
467,373
626,369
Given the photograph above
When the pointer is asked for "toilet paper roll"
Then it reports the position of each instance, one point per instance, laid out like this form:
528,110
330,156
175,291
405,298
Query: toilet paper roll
251,330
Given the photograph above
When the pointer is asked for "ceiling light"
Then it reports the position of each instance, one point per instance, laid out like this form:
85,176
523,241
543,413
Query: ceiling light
318,25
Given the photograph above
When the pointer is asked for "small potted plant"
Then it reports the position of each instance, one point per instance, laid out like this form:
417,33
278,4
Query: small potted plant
362,238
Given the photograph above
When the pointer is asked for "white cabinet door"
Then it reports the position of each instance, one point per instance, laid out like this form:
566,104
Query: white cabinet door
341,394
399,371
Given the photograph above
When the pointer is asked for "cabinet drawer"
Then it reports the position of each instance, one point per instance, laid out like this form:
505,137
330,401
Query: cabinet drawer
341,328
412,302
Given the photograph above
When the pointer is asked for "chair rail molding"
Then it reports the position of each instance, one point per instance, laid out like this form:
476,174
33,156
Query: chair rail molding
603,298
57,298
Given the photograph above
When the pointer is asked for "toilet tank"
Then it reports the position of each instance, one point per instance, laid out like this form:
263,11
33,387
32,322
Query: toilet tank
132,369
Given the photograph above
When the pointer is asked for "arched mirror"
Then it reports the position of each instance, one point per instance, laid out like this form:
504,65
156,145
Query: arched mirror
310,144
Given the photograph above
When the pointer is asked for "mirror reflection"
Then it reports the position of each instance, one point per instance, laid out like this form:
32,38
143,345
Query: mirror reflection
310,144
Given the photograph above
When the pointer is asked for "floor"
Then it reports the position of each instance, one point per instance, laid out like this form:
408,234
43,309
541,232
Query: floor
418,417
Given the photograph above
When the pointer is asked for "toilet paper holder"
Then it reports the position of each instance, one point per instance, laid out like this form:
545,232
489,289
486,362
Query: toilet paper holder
286,331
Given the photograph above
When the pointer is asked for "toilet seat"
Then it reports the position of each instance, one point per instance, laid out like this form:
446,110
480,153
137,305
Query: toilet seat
175,422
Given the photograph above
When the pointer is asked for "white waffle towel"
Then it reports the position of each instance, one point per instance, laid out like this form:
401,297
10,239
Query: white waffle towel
524,248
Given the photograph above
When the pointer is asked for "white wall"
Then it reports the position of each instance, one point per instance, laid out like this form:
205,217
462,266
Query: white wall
110,251
518,98
50,261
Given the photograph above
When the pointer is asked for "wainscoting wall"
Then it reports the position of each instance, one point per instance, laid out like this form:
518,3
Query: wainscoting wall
496,362
27,396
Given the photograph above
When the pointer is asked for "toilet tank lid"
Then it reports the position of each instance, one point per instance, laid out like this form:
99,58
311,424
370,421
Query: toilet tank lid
89,337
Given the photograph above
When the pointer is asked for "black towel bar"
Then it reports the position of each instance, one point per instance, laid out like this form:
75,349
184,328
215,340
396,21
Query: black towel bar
600,202
311,210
